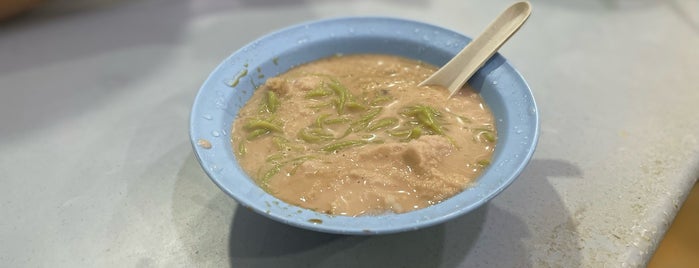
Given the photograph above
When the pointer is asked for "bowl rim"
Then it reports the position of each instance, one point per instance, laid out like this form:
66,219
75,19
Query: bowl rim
345,227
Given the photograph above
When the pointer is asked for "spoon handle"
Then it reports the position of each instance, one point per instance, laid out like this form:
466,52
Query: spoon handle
459,69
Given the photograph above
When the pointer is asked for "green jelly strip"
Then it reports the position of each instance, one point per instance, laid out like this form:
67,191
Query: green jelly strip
318,92
488,136
242,148
321,120
346,133
278,165
483,162
320,132
415,133
260,127
363,121
382,123
281,143
270,173
240,75
301,159
255,124
296,162
271,102
338,120
426,116
257,133
342,95
353,105
341,145
314,135
284,145
407,134
274,158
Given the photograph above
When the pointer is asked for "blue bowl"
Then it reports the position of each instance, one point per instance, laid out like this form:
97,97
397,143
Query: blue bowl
218,102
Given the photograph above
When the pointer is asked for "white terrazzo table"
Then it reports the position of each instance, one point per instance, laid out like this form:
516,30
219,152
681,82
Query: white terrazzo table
96,169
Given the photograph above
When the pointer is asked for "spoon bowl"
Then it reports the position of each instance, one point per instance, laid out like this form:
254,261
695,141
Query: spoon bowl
459,69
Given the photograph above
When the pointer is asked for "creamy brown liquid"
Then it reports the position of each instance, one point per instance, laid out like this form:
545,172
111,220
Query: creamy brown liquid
317,146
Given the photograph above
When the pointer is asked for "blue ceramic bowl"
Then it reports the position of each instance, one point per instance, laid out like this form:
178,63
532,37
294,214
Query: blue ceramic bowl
218,102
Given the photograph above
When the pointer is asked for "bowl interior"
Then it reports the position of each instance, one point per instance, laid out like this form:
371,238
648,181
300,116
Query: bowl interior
218,102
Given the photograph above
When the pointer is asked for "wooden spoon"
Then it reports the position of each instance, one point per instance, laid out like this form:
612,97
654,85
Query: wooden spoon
459,69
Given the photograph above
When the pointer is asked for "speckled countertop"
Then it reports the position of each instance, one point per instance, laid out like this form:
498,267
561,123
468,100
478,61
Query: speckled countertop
96,169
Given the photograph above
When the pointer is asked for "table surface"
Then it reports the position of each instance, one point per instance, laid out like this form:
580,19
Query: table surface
96,169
